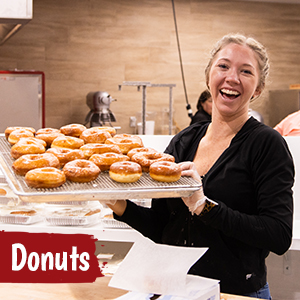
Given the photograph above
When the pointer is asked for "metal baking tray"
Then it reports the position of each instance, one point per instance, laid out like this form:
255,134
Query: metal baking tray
103,188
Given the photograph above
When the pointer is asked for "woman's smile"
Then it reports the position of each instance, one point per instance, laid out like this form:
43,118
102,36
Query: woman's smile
234,79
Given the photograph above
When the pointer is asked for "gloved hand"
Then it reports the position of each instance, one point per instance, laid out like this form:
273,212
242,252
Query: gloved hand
196,201
108,202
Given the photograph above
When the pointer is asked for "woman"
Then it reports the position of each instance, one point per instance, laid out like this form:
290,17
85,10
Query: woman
245,208
204,107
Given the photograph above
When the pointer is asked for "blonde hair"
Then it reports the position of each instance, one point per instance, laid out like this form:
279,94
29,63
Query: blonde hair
259,50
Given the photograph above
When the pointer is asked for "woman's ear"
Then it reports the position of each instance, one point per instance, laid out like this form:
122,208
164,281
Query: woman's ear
256,93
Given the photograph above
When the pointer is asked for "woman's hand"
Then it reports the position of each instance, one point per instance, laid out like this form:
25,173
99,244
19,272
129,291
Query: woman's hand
196,201
117,206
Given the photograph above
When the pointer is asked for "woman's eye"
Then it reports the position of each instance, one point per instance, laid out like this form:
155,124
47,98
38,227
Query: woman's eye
222,66
247,72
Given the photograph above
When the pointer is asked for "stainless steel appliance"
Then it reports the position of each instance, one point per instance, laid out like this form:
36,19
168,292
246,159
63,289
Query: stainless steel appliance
100,113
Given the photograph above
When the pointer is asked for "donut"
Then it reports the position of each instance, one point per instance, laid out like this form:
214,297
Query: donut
93,148
95,135
110,130
81,170
29,212
15,135
27,146
48,135
126,142
165,171
105,160
65,155
47,177
32,139
146,159
29,162
140,150
72,129
69,142
8,130
125,171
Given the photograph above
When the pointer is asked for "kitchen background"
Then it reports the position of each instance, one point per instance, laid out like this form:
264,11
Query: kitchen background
95,45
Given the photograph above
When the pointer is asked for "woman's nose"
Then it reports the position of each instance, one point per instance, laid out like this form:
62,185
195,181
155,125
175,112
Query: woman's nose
232,76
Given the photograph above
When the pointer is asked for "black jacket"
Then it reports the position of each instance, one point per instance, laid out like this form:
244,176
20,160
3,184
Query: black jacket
252,182
200,116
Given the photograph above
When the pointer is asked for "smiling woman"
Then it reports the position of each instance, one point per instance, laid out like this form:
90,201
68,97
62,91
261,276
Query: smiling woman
243,210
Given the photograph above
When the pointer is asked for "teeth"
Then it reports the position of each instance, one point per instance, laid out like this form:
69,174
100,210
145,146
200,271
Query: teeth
230,92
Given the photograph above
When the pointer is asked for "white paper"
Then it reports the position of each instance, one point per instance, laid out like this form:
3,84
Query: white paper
154,268
209,293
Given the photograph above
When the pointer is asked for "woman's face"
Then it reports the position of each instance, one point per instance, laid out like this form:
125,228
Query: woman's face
233,80
207,106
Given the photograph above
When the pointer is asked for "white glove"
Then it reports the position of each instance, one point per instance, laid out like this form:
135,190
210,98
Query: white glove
198,198
108,202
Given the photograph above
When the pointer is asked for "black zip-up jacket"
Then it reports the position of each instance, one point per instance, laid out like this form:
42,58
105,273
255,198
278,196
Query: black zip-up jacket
252,182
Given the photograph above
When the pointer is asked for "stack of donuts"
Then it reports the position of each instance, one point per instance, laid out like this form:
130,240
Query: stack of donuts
49,157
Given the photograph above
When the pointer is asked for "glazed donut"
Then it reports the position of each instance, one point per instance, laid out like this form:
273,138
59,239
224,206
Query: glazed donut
140,150
15,135
69,142
105,160
93,148
81,170
45,178
72,129
29,162
48,135
125,171
165,171
65,155
32,139
27,146
8,130
95,135
29,212
126,142
146,159
110,130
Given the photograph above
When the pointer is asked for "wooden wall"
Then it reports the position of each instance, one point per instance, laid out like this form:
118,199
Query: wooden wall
95,45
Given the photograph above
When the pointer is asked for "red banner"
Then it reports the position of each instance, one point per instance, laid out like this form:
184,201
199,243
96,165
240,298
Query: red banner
48,258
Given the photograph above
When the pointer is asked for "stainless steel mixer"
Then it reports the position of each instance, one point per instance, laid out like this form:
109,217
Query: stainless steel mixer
100,113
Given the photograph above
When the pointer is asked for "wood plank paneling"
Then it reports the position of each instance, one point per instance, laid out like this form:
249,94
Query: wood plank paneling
94,45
